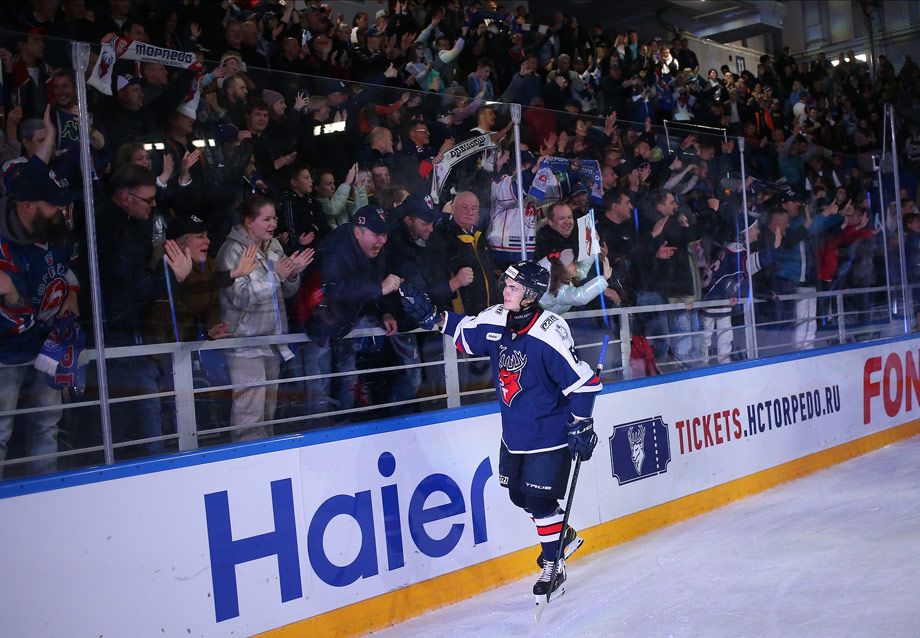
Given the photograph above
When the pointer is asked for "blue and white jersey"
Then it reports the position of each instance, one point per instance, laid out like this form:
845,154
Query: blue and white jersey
539,379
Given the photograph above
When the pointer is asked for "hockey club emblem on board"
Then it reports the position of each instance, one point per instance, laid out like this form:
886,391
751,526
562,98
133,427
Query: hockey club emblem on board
510,367
639,449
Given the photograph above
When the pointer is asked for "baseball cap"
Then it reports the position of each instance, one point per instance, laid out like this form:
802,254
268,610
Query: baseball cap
183,225
789,195
420,206
578,188
35,182
126,80
372,217
327,87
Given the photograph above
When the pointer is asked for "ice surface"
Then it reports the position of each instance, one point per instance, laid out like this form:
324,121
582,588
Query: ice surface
833,554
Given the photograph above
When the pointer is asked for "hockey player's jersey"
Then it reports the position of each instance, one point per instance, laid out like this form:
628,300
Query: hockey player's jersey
505,221
539,379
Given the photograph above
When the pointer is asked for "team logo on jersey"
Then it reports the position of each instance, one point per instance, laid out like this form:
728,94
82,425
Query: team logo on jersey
639,449
52,298
510,367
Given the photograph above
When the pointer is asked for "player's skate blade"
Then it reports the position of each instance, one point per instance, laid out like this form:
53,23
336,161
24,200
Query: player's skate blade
541,602
541,599
570,545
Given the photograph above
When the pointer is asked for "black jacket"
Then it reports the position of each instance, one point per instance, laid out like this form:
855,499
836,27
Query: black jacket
422,266
549,241
671,277
131,277
461,249
298,215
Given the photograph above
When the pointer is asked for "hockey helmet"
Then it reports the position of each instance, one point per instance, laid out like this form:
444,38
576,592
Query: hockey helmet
531,275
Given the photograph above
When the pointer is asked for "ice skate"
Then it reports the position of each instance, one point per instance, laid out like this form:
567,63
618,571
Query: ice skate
570,543
541,587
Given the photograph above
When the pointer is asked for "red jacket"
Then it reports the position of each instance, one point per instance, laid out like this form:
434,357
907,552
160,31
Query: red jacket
829,253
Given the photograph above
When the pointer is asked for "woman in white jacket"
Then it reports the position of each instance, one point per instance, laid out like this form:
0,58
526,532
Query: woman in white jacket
252,304
336,205
563,290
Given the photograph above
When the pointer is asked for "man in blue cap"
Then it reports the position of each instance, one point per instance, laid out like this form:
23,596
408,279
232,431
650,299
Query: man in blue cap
353,278
37,288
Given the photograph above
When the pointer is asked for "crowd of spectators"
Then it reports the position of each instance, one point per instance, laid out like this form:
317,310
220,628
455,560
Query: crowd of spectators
294,195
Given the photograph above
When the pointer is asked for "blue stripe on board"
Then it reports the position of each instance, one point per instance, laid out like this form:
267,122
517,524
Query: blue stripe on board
140,467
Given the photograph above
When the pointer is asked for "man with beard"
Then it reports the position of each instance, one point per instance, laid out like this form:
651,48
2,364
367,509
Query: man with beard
37,287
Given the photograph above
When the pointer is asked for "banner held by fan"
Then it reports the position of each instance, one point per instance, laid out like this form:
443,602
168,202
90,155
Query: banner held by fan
124,49
454,156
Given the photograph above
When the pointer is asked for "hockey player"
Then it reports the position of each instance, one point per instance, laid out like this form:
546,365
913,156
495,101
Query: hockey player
546,395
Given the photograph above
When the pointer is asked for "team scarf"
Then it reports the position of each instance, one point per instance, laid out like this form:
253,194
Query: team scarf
125,49
455,155
557,177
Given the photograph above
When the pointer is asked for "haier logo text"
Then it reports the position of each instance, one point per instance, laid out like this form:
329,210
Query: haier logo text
283,543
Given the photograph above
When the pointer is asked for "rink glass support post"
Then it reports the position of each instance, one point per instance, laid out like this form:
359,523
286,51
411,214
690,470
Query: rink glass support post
186,425
749,329
451,373
841,319
516,120
625,344
79,52
889,117
884,226
752,333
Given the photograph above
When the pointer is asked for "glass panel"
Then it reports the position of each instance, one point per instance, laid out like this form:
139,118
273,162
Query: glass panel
207,344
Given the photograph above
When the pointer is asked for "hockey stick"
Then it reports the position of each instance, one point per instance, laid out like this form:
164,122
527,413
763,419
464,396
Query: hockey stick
571,497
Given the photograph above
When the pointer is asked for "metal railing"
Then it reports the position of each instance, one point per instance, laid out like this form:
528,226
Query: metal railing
840,326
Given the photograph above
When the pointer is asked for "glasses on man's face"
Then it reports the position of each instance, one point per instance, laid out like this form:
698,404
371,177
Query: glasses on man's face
150,201
423,131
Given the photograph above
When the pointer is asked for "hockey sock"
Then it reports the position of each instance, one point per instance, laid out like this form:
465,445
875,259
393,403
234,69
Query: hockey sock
549,531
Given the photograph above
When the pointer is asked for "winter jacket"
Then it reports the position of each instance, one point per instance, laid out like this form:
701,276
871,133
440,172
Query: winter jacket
338,209
829,257
254,305
299,214
797,263
131,276
420,265
462,249
567,295
197,305
350,281
673,277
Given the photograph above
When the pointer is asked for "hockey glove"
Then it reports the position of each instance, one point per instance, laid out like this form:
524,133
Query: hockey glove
418,306
582,438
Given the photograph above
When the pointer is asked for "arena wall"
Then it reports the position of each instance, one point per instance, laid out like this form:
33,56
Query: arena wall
348,530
